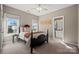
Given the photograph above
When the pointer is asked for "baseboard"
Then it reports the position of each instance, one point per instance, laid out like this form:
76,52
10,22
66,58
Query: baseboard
72,44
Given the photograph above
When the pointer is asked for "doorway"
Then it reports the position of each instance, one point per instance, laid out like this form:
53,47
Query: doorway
58,27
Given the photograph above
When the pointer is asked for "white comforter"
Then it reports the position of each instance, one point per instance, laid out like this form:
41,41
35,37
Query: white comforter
21,36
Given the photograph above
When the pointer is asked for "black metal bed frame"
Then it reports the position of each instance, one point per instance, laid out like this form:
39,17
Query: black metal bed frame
31,51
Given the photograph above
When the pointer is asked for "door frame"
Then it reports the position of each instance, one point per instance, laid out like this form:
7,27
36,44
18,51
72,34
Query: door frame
54,26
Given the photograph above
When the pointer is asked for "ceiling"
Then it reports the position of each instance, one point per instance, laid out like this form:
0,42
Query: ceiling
50,7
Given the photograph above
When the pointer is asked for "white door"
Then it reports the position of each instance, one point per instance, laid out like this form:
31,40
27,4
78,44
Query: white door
58,27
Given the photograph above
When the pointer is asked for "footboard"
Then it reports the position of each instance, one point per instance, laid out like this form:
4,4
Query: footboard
35,42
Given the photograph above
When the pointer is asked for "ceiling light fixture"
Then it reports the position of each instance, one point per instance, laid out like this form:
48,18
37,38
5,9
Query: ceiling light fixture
39,8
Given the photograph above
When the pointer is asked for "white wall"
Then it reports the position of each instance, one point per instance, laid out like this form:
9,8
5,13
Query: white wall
71,23
0,27
78,26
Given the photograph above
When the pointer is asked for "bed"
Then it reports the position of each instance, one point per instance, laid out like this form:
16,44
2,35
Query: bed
37,39
33,39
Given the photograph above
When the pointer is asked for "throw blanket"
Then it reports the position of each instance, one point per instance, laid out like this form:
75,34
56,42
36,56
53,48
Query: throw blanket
24,35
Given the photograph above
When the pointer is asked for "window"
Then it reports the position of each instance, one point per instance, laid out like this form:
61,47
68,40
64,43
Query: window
11,24
35,25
